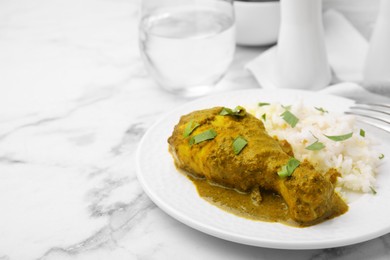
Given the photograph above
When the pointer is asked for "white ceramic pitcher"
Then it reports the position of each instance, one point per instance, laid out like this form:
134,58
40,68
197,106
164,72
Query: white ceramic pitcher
377,66
301,55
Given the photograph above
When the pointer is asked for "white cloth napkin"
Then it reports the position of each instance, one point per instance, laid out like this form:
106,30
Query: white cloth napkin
346,49
356,92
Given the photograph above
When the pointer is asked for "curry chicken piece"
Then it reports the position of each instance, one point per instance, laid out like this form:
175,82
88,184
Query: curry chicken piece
309,195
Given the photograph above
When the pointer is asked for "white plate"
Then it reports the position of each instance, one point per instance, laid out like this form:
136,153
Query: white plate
368,217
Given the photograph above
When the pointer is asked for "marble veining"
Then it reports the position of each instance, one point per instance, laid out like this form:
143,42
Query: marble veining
75,101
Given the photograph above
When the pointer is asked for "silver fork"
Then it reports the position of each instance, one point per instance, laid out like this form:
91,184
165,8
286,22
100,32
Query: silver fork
377,115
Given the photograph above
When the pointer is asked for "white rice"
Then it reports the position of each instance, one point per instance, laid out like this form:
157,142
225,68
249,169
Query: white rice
354,158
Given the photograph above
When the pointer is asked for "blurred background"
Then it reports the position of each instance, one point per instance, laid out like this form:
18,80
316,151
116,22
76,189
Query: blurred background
49,49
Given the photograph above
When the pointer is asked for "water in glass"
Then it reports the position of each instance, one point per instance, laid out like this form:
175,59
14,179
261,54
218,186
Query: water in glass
187,49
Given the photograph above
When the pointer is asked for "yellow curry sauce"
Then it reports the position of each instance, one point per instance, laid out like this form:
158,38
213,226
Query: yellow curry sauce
270,207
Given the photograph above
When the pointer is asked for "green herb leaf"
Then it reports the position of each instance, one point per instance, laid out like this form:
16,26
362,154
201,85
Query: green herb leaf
226,111
316,146
362,133
381,156
238,144
289,168
283,173
264,117
338,138
190,127
261,104
238,111
290,118
373,190
204,136
321,110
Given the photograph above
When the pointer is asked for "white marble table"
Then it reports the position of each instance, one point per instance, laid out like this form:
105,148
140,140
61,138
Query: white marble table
74,102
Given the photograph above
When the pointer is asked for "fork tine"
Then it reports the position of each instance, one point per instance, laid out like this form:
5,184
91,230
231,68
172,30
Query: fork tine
377,115
373,104
371,109
368,116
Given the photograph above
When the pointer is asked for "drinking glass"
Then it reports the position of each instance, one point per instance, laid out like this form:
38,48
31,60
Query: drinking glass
187,45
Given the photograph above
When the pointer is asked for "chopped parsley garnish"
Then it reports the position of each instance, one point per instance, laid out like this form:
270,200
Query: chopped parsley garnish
338,138
190,127
362,133
381,156
264,117
288,169
204,136
373,190
290,118
321,110
316,146
261,104
238,144
238,111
